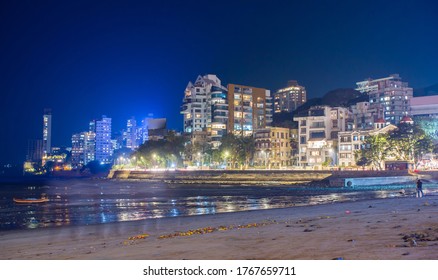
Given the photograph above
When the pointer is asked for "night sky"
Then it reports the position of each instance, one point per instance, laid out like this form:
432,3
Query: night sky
134,58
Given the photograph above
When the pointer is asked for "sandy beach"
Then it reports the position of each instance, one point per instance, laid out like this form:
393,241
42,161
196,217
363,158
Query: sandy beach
398,228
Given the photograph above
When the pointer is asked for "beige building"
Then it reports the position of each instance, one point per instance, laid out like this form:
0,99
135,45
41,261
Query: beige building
352,141
272,147
318,135
250,108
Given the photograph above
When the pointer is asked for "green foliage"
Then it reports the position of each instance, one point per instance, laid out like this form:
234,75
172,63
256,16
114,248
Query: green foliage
409,142
376,150
327,162
161,153
237,151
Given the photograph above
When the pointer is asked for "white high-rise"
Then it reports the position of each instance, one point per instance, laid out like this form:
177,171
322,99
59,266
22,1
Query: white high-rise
47,132
205,107
103,145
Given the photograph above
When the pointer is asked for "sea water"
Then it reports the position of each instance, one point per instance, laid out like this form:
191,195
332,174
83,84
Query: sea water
86,201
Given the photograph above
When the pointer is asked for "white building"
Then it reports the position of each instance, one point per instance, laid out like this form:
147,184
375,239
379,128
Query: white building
205,107
103,146
318,135
47,132
389,97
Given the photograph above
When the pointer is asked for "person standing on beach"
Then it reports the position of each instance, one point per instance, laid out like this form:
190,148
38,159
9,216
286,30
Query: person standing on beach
420,188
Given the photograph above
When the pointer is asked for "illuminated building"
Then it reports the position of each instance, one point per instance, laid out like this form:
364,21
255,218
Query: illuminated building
77,149
318,135
131,134
288,99
83,148
89,147
352,141
272,147
389,96
363,116
103,146
205,107
250,108
47,132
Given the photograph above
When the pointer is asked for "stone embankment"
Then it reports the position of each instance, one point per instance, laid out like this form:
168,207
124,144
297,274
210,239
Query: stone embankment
258,177
266,177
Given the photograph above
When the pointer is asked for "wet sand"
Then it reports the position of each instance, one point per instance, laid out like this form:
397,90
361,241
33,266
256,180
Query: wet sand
398,228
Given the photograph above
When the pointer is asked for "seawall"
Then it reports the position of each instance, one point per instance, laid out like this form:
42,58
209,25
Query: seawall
266,177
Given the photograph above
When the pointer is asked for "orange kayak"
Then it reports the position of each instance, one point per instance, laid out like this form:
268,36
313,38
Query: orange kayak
31,200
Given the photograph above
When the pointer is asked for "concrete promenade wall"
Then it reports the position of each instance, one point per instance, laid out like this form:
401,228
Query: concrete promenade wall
224,176
260,177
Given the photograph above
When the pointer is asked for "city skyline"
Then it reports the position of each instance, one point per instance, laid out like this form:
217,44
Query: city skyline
124,60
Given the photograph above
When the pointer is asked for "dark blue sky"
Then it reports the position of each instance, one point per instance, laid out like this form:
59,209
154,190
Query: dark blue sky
131,58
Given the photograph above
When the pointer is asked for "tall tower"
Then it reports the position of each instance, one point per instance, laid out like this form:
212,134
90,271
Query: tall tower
47,132
103,145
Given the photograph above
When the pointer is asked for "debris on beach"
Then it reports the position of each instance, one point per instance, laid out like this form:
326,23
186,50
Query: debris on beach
430,234
212,229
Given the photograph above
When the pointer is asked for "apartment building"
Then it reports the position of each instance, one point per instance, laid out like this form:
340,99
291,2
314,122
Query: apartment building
250,108
318,135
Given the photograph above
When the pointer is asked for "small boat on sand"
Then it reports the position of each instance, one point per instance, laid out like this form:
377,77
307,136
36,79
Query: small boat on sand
31,200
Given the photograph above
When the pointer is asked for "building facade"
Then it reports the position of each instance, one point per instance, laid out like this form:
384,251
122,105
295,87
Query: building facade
103,144
131,134
288,99
78,149
205,108
47,132
272,147
389,97
250,108
363,115
318,135
350,142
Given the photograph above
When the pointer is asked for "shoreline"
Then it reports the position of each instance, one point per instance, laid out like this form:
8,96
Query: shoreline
391,228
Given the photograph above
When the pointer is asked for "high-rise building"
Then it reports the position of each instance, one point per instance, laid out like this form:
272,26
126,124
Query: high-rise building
89,147
250,108
103,145
389,97
288,99
83,148
205,107
77,149
47,132
131,134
